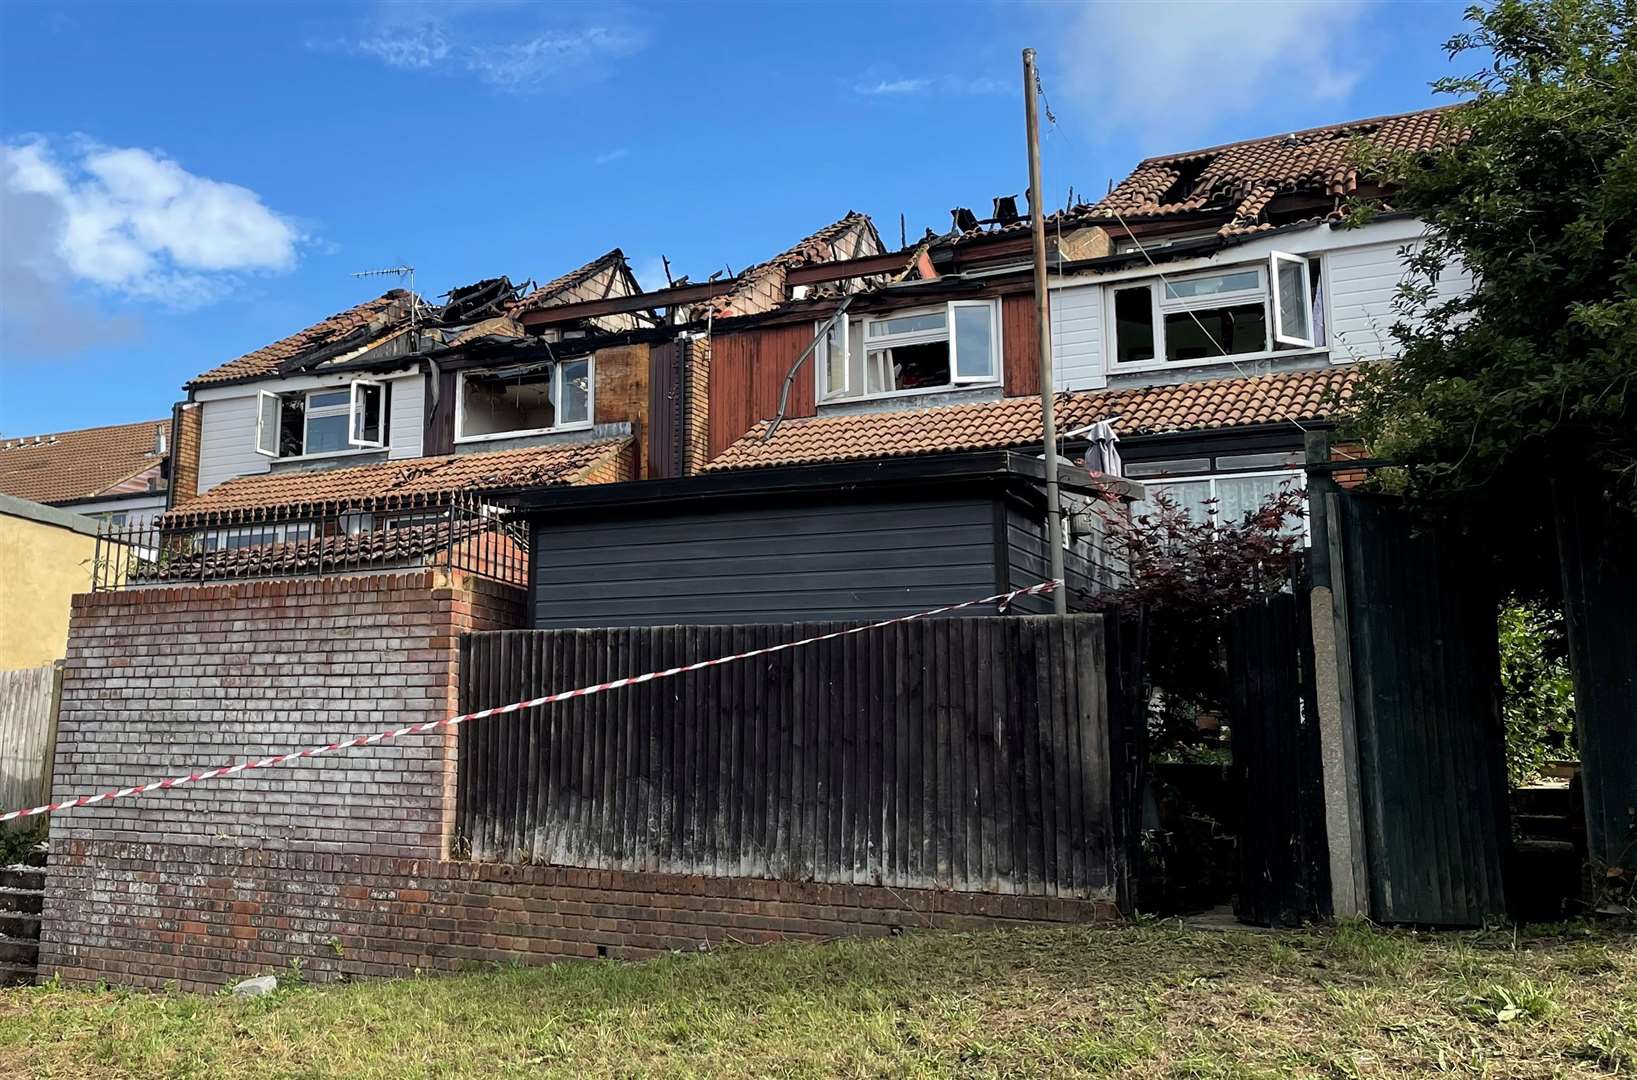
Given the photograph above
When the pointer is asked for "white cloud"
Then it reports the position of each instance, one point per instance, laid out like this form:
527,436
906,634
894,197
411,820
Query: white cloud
443,38
1170,70
944,85
610,156
895,86
131,222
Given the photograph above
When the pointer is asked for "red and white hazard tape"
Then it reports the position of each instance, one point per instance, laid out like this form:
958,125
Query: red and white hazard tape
1001,599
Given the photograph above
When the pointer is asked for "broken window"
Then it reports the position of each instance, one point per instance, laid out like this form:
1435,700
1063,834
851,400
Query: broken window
323,421
1243,311
524,399
943,348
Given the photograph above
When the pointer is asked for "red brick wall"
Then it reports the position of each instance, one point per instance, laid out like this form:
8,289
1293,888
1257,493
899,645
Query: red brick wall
339,862
202,916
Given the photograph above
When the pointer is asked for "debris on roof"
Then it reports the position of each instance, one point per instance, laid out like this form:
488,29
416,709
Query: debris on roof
762,287
1013,422
71,465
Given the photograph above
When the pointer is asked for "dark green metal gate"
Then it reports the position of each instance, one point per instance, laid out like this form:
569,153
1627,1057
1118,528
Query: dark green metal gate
1425,701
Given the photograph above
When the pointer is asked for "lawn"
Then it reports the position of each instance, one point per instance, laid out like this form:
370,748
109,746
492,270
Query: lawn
1136,1001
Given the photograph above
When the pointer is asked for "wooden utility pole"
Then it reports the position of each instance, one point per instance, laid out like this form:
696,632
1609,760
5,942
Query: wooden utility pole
1048,419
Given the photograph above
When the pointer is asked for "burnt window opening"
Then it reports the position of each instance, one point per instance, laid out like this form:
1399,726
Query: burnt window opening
523,400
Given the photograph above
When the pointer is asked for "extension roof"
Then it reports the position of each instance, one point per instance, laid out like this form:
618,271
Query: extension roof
73,465
394,484
368,319
1211,404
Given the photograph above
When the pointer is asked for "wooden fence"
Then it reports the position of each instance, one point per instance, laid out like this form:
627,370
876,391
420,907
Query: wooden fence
28,734
970,754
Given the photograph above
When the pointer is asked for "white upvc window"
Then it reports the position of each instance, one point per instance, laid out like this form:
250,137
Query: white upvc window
1249,311
1222,497
922,350
525,399
327,420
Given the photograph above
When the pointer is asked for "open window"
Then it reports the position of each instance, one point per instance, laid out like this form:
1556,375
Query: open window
921,351
367,409
524,399
1217,315
327,420
830,356
268,408
1292,299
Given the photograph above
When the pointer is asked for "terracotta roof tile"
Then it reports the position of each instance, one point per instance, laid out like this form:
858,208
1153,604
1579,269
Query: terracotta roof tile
1013,422
393,483
406,545
1243,177
78,464
377,314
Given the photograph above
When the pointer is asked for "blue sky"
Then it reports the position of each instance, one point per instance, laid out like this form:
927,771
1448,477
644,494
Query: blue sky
186,182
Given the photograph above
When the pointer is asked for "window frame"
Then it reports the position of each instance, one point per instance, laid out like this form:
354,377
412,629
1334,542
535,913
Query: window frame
1211,478
274,401
1162,305
997,352
263,428
558,376
354,414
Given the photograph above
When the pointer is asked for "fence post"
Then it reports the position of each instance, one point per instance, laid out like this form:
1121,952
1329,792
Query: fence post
1333,682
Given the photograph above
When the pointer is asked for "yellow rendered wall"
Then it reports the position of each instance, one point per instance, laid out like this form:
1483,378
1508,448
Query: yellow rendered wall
41,566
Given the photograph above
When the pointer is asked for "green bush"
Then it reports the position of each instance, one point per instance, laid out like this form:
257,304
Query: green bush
1537,700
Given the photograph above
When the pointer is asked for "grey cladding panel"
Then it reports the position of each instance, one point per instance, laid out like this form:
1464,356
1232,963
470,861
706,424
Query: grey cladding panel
773,563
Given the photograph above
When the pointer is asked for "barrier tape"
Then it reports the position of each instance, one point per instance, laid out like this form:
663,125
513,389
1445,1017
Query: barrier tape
1000,599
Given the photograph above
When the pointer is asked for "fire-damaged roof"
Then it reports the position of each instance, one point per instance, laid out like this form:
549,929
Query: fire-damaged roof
1241,178
819,247
1211,404
425,480
1237,181
80,464
359,324
558,289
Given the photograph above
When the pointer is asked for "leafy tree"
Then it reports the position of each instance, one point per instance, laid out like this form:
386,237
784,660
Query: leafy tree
1534,374
1537,694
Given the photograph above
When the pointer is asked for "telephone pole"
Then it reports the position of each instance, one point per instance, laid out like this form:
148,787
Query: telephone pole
1048,418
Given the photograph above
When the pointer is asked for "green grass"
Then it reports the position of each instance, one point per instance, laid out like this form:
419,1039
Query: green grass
1149,1001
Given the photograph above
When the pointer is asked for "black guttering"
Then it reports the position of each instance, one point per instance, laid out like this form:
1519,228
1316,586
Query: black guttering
1002,466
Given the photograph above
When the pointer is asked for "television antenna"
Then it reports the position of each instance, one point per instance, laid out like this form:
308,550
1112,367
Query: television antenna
405,274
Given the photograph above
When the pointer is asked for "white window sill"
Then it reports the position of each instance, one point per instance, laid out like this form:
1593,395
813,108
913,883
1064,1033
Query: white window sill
1147,366
498,435
918,391
356,451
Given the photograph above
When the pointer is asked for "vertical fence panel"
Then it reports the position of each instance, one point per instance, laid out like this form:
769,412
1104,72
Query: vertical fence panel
28,734
966,754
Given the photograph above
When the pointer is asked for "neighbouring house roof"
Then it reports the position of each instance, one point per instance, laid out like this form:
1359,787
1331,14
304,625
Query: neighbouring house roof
412,481
371,317
1244,177
558,289
71,465
1209,404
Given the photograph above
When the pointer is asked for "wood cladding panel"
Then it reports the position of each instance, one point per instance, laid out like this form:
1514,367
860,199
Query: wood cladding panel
1020,345
747,371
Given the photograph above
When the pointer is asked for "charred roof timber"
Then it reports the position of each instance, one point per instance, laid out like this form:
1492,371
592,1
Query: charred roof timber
965,220
480,300
1006,210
